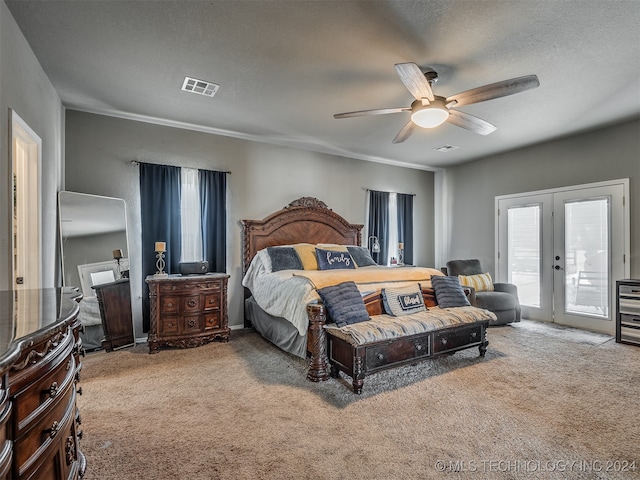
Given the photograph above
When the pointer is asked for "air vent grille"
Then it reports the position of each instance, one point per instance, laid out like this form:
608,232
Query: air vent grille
445,148
201,87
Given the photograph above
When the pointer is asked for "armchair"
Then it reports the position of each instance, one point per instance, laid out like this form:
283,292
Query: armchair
503,300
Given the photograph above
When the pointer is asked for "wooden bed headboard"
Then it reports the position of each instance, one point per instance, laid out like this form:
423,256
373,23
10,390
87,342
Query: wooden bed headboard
306,220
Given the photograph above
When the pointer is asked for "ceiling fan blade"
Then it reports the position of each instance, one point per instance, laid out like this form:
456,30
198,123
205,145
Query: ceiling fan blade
378,111
414,80
405,132
495,90
470,122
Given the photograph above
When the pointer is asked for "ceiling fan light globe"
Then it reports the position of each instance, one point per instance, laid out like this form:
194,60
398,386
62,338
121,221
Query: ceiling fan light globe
430,116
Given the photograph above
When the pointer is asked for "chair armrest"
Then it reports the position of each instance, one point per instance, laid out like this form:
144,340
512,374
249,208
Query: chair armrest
506,287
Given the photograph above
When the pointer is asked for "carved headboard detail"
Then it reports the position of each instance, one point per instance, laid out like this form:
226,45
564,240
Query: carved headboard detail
305,220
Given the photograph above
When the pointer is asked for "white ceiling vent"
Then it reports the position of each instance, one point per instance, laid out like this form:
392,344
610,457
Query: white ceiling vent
201,87
445,148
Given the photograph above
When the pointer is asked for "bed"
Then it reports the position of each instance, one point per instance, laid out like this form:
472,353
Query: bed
283,304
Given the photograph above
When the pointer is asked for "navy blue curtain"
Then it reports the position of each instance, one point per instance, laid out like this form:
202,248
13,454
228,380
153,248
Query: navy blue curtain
160,214
378,225
213,217
405,225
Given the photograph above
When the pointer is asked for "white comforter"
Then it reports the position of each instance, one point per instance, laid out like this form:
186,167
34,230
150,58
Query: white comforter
287,293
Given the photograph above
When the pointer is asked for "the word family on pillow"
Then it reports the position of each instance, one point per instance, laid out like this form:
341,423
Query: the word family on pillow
481,282
403,300
333,259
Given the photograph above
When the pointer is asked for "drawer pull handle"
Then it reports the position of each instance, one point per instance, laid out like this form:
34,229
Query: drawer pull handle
380,356
53,390
192,303
53,430
211,301
169,304
418,347
473,334
192,323
170,324
444,341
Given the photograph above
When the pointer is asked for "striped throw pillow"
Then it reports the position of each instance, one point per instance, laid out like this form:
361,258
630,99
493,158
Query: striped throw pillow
481,282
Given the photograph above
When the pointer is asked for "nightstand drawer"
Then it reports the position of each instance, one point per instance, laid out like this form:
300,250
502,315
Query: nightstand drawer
191,304
169,304
191,324
211,301
212,320
169,326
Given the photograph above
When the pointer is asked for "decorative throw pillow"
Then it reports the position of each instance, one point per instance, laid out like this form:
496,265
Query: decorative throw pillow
284,258
344,303
332,259
403,300
481,282
449,292
361,256
307,254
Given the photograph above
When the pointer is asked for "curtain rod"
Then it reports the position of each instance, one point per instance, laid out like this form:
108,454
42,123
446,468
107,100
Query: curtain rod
384,191
138,162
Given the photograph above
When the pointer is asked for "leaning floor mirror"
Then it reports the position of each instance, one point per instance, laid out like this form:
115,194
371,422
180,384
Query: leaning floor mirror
95,259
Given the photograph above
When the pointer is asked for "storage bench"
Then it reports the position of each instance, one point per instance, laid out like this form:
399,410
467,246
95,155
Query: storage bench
386,342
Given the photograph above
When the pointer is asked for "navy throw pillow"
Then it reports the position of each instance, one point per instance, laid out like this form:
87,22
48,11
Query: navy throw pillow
361,256
333,260
344,303
449,292
284,258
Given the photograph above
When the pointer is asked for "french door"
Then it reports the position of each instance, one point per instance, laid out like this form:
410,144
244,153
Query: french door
564,249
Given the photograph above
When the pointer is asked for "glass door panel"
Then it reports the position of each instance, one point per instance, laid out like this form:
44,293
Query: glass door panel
523,232
587,257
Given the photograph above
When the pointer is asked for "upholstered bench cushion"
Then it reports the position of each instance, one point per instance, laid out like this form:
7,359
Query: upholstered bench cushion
386,327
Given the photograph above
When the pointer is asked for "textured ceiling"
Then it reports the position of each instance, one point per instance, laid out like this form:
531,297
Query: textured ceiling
286,66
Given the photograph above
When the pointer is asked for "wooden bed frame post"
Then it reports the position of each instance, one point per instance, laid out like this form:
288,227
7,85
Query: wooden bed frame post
317,344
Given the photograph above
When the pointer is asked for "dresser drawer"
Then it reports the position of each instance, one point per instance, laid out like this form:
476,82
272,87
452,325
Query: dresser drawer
29,403
46,432
449,340
169,304
630,320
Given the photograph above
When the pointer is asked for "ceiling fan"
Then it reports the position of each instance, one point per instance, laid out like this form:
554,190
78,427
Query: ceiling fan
429,110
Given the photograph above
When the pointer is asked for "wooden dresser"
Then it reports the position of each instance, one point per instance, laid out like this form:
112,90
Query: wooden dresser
187,311
40,365
114,300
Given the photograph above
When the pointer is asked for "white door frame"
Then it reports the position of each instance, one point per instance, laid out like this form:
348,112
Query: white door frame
501,270
26,208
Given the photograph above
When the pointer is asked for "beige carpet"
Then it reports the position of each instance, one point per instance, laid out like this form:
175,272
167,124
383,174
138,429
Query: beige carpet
539,405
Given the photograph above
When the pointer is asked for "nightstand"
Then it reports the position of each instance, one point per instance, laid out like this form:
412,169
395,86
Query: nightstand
187,310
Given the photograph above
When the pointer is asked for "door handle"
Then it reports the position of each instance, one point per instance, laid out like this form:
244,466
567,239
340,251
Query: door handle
558,267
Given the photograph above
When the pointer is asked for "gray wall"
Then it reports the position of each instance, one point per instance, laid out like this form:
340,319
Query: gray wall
607,154
26,89
264,178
